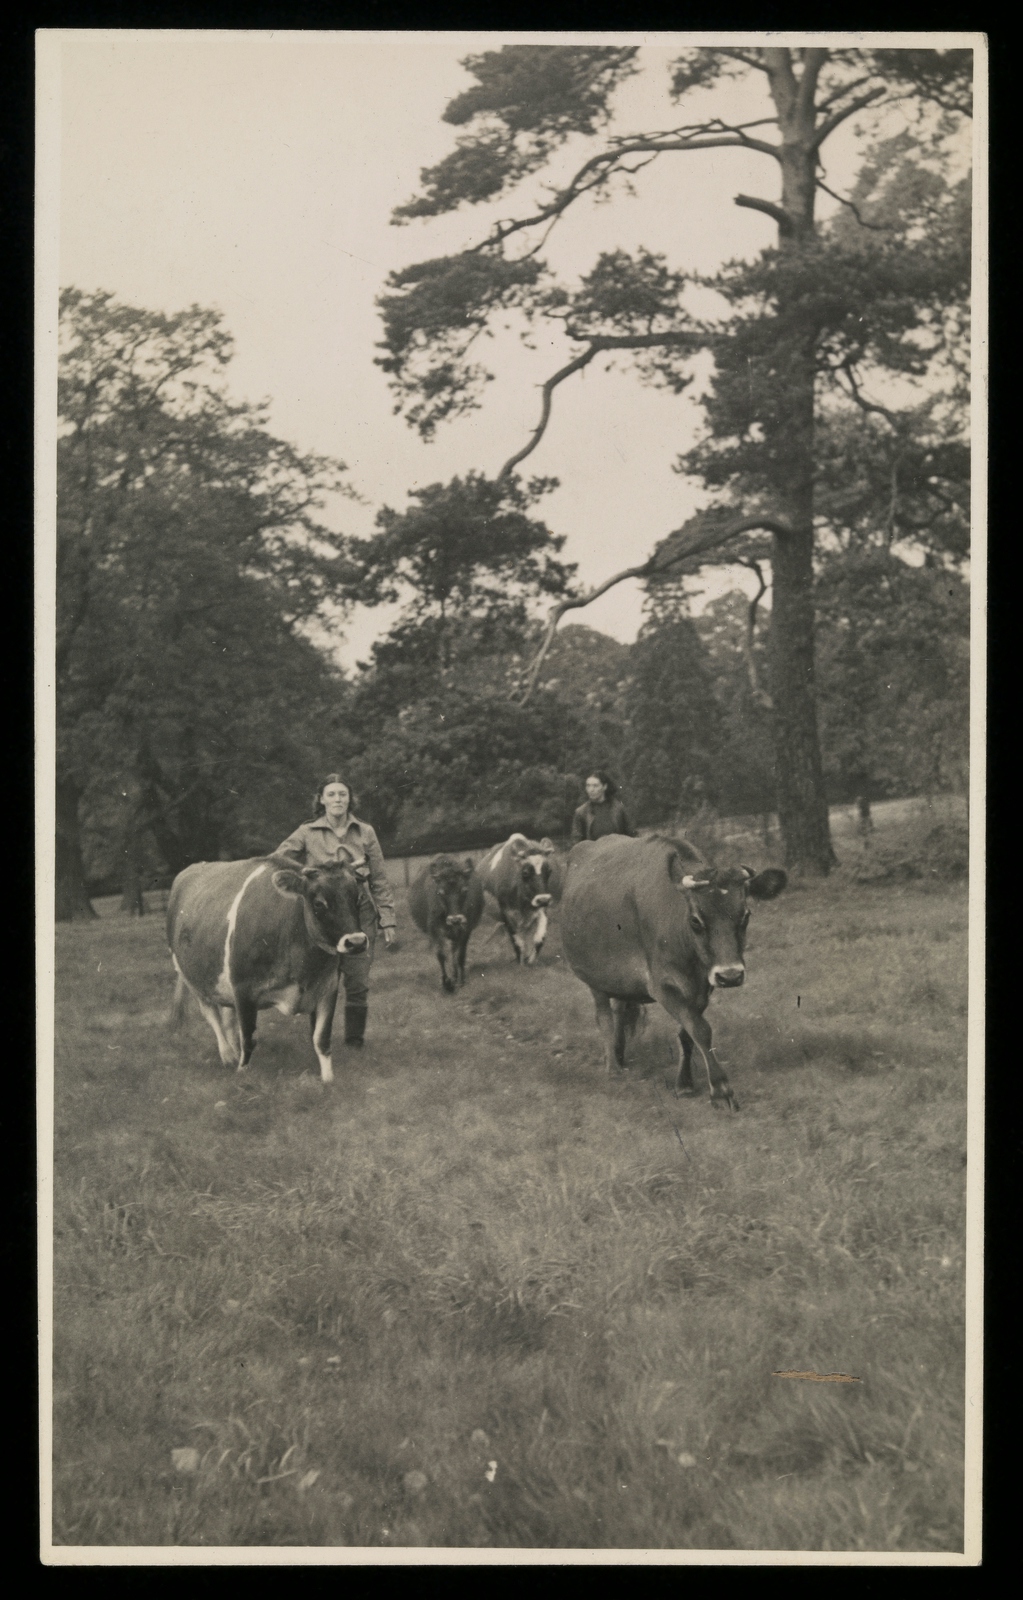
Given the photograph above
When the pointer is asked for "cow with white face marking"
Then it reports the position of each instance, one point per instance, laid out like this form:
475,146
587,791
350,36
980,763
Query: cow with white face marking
248,935
521,879
645,920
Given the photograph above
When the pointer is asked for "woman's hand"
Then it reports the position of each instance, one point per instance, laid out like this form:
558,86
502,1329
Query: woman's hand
389,936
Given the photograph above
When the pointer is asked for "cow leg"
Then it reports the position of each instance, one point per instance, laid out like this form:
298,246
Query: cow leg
608,1031
443,956
515,941
463,946
627,1019
323,1024
246,1028
696,1025
536,941
684,1079
232,1032
228,1051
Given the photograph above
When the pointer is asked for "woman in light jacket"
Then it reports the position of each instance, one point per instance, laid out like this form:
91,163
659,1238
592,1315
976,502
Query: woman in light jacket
335,834
601,812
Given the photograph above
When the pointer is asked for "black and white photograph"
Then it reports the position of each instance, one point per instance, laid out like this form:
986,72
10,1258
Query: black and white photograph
510,632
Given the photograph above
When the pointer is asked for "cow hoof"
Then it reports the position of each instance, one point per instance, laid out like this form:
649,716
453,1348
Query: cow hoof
719,1101
448,986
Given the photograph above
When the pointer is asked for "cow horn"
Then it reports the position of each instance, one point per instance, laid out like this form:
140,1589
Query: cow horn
689,882
547,847
748,871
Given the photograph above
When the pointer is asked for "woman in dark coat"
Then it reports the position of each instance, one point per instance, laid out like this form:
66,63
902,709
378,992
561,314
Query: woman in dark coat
601,812
334,834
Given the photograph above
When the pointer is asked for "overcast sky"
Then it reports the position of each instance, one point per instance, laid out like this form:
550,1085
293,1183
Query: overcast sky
256,173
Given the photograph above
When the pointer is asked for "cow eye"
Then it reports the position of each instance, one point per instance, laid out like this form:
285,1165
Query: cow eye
697,924
320,903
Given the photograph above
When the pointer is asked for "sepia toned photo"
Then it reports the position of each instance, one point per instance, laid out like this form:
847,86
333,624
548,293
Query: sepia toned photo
510,729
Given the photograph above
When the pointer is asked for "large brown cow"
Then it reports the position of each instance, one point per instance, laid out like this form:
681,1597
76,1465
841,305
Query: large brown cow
644,920
446,902
247,935
521,877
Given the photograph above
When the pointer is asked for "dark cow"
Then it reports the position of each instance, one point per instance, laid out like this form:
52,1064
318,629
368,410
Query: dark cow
446,902
644,920
521,878
247,935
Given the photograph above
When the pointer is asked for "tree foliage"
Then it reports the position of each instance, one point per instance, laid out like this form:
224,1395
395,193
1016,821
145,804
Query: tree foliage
190,554
464,553
893,653
811,333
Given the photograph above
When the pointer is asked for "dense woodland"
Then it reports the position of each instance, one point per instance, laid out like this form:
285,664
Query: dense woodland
204,573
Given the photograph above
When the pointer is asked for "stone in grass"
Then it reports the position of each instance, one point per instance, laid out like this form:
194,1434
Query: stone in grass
186,1460
415,1482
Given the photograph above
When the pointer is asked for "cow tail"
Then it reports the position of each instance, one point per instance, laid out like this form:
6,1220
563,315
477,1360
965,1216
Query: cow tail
177,1010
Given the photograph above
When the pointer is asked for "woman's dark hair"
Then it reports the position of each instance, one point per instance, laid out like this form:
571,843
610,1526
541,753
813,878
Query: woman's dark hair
610,787
319,809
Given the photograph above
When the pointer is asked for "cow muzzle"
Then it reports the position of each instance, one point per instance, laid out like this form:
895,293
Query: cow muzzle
351,944
540,900
455,923
727,977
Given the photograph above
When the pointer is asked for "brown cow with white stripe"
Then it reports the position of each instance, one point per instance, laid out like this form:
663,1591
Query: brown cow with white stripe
248,935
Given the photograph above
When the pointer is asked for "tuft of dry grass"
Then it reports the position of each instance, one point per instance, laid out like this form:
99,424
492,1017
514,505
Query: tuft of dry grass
478,1295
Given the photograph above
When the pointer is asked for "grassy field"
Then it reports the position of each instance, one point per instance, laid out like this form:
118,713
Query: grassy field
479,1295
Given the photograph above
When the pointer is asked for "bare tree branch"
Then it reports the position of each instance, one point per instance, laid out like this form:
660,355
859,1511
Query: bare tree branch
779,214
599,343
856,394
545,411
840,92
710,536
838,117
750,61
875,227
712,135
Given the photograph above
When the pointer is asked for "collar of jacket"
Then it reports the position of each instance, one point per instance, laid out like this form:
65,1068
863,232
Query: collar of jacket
321,822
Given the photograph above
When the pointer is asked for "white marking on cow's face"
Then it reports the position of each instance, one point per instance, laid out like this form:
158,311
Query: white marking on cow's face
224,991
536,862
351,944
539,900
727,977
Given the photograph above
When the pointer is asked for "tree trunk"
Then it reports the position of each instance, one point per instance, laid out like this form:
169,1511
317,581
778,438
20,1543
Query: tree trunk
132,900
802,803
72,902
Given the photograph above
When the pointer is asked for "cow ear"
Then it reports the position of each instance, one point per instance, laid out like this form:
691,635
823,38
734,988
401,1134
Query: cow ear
547,847
767,884
287,882
436,870
469,866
